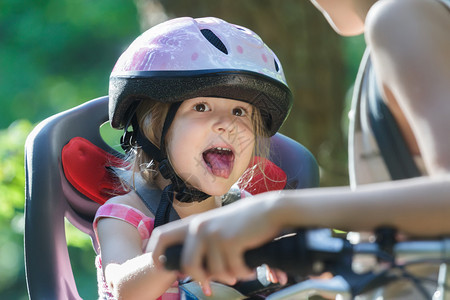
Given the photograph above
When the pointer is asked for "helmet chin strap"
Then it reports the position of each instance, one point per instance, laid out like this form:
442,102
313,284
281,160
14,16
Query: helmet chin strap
183,192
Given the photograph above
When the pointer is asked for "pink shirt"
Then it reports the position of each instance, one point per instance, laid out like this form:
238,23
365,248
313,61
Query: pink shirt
144,225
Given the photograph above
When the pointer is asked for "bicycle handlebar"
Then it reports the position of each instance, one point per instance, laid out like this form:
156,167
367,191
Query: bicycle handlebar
312,252
304,253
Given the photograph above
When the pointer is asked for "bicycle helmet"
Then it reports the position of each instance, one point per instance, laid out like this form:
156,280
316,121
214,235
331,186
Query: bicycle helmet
186,58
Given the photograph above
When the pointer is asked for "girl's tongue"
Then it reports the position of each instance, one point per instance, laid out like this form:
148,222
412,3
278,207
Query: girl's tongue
220,161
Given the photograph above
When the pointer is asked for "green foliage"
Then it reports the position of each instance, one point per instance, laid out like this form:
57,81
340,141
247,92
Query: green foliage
57,53
54,54
12,178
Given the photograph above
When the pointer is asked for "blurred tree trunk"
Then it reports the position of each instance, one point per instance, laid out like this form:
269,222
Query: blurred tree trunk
310,52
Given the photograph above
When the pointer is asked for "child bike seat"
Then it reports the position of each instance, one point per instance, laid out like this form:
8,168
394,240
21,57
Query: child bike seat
54,193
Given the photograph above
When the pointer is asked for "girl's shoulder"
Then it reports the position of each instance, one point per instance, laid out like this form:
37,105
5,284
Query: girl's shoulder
130,199
113,219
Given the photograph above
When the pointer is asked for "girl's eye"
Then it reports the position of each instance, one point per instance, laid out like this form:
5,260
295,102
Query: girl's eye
201,107
239,112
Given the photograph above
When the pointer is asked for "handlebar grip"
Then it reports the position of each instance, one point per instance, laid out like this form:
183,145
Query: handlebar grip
173,257
287,253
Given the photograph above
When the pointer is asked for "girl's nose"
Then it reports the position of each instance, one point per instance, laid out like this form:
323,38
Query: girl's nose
224,122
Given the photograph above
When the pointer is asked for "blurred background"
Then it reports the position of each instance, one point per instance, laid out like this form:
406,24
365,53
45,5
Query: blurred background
56,54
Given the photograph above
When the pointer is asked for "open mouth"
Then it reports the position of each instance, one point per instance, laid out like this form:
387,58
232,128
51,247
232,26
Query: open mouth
219,161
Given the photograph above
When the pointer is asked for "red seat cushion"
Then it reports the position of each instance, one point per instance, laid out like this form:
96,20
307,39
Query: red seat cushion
270,178
86,168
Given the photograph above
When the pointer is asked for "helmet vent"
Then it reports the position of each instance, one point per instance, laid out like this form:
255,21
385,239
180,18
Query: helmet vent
214,40
276,65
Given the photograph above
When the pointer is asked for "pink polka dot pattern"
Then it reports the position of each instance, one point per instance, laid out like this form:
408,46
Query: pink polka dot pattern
264,57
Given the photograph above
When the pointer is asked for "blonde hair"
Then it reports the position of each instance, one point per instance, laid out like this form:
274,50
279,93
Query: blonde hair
151,115
261,149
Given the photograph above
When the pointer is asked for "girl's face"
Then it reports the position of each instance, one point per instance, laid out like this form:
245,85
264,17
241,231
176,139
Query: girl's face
211,142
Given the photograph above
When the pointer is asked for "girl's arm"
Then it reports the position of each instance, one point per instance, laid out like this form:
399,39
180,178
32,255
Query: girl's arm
129,272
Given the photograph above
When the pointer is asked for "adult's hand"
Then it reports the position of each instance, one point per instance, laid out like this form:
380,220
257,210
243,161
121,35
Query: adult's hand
215,241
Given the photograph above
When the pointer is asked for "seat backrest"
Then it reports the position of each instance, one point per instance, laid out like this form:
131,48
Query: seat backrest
50,197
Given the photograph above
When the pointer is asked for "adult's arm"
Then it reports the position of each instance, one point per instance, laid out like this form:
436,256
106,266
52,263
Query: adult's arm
418,207
410,49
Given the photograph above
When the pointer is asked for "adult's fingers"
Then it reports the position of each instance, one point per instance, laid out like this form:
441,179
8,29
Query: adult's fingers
237,268
193,253
280,276
217,266
167,235
206,288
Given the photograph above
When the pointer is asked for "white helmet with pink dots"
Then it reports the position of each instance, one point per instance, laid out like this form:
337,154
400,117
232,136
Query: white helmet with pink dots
186,58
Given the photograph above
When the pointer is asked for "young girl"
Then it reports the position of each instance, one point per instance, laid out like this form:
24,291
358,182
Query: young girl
201,97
